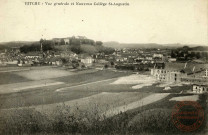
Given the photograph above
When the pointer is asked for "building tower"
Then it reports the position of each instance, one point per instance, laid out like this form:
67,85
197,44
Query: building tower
206,73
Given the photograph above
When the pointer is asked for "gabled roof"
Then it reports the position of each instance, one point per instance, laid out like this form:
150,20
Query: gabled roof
201,84
186,67
33,54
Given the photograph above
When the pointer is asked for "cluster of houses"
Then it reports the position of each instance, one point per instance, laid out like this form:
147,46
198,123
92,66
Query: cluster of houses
141,55
123,57
11,58
175,72
139,59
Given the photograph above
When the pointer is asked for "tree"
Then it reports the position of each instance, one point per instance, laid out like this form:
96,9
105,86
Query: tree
75,64
112,63
75,41
92,42
106,66
105,50
43,45
89,49
108,50
64,60
98,43
173,54
47,45
30,48
198,55
76,49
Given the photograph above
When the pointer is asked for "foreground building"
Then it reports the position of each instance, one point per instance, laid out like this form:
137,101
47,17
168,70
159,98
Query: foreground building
182,72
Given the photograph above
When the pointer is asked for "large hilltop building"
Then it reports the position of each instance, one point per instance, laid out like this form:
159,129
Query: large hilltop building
59,41
71,40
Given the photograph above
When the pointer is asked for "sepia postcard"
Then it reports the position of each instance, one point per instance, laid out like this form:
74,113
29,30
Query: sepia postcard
104,67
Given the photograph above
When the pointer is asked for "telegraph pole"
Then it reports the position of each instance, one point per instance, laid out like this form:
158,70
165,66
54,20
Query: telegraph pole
41,45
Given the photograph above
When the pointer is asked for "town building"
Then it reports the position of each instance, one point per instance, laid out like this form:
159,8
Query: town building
199,88
157,55
57,41
87,61
66,41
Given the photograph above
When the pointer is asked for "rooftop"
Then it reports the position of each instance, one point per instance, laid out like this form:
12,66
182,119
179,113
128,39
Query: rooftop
186,67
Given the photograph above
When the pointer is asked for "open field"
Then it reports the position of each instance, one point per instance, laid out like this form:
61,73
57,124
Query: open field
43,74
7,77
13,69
17,87
44,91
88,101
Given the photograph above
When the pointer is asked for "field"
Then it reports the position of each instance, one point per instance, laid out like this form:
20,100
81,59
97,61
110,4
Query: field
51,100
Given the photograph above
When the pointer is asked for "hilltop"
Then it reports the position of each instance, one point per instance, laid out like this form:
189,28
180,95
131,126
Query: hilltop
78,44
200,48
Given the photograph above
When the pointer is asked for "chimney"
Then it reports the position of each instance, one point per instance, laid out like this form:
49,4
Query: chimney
185,65
206,72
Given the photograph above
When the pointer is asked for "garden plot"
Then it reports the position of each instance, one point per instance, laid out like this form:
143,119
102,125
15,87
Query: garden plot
40,74
149,118
103,104
144,101
172,84
140,80
11,77
100,103
185,98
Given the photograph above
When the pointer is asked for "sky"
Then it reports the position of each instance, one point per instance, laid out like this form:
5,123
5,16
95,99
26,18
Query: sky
143,21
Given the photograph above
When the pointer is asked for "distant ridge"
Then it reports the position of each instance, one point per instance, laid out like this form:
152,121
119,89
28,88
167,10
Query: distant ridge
17,43
115,44
200,48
